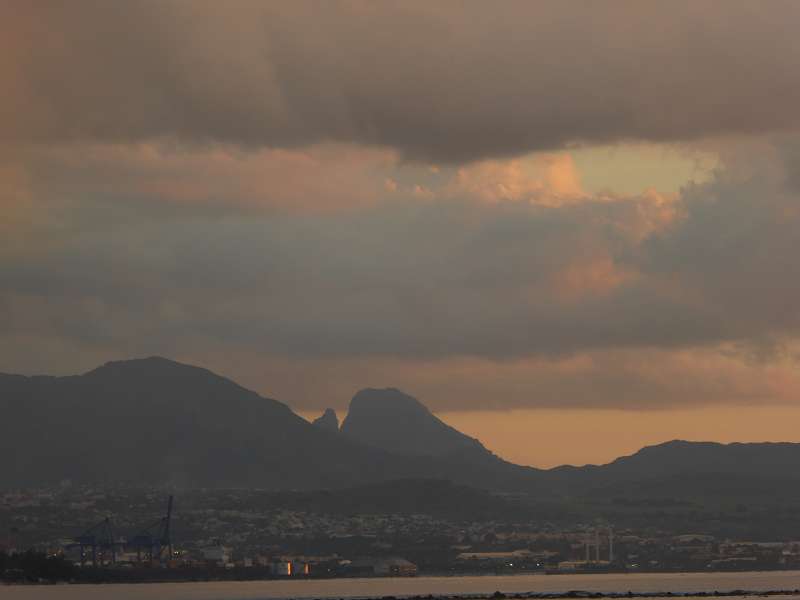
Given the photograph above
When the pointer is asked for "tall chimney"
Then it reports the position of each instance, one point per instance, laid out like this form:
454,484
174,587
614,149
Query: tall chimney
610,544
597,544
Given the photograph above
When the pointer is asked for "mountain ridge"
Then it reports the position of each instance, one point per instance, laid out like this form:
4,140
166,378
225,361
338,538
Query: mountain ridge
160,421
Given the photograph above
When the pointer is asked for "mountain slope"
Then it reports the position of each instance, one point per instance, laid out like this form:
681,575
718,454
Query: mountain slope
390,420
398,423
155,420
696,471
158,421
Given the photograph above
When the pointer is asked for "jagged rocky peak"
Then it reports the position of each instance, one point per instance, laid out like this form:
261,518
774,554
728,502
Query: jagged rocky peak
328,420
394,421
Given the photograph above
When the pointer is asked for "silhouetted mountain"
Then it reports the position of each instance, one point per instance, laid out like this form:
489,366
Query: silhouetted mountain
396,422
389,420
157,421
681,457
690,469
327,421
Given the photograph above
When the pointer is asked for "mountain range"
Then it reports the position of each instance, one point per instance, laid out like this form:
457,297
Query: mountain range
157,421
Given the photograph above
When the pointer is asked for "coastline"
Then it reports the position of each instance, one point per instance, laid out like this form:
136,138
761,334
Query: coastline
705,586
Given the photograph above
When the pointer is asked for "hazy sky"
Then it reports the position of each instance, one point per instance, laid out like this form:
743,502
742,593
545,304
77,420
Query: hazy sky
570,228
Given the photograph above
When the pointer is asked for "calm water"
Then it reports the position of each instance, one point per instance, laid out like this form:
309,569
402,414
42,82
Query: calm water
344,588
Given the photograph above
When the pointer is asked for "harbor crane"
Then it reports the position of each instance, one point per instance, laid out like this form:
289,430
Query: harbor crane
154,540
98,537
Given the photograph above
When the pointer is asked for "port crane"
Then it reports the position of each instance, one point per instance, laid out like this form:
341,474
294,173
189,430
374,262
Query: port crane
154,540
99,545
98,537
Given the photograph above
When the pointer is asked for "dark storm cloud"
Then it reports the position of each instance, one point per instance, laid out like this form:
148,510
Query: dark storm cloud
447,82
736,249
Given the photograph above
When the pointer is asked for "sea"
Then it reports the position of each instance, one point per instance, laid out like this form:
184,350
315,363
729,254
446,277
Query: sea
416,586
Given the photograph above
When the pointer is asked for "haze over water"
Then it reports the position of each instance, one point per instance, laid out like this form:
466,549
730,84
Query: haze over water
418,586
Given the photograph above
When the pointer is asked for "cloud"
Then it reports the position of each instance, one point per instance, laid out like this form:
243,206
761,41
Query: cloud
529,298
345,195
411,278
549,179
448,83
16,206
629,379
224,179
217,178
733,250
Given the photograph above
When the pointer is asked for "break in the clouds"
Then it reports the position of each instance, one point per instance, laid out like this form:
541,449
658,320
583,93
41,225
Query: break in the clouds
445,82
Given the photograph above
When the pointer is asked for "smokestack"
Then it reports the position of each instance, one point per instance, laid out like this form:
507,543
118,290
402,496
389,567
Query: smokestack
597,544
610,544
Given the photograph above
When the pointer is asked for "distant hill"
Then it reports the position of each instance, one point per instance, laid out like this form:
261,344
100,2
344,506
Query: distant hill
681,457
158,421
694,470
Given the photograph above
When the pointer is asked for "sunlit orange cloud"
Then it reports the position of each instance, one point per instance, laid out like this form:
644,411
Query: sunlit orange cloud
543,179
553,181
319,178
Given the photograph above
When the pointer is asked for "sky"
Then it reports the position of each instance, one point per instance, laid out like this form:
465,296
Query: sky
570,229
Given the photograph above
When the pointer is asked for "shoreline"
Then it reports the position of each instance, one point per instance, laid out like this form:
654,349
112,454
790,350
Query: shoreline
110,576
499,595
612,586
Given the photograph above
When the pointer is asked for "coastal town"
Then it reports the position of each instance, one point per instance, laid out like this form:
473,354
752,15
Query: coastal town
232,534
